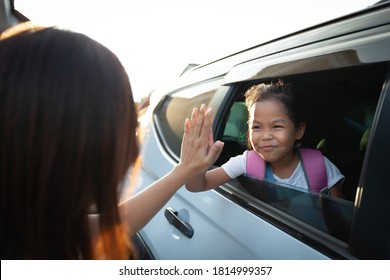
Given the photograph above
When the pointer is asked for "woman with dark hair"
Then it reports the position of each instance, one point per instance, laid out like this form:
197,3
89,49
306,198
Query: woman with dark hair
67,139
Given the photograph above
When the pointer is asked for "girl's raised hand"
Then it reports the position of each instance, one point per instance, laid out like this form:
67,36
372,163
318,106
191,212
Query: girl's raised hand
198,150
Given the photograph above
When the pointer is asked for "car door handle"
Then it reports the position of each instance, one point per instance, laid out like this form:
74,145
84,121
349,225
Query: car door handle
172,217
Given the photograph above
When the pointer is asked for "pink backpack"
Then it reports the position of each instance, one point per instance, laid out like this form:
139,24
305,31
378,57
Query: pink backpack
312,162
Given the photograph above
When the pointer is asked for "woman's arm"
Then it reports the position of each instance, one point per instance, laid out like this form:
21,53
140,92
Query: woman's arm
197,155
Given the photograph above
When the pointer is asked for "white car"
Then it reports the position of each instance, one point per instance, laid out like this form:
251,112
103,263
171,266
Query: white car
341,68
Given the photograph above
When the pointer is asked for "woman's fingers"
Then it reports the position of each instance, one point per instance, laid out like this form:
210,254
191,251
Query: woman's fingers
194,118
206,126
211,136
198,120
187,125
196,125
214,152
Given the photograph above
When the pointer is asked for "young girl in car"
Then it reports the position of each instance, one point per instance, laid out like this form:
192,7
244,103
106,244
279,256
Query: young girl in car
275,129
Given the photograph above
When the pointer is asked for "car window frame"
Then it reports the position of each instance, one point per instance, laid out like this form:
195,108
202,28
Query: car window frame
370,232
214,102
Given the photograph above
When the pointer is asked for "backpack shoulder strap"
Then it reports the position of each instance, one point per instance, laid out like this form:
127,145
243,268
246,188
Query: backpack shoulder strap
255,165
314,168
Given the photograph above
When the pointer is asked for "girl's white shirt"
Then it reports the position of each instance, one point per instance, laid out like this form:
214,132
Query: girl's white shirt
236,166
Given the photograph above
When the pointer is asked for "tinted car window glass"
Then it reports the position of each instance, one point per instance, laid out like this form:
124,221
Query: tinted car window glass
175,108
330,215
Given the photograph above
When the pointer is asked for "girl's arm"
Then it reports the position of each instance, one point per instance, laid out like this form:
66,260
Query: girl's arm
336,190
206,181
197,155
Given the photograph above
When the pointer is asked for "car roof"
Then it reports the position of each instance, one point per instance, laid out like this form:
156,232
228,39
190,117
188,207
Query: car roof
373,16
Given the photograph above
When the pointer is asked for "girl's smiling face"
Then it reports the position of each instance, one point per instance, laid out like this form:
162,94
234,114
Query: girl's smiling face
272,134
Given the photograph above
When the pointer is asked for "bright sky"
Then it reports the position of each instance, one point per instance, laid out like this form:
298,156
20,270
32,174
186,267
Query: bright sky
157,39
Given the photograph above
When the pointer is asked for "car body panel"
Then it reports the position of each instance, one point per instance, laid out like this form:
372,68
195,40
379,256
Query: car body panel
351,50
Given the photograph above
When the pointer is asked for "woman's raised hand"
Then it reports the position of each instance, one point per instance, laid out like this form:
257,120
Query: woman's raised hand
198,150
